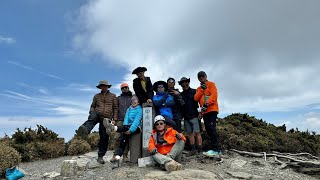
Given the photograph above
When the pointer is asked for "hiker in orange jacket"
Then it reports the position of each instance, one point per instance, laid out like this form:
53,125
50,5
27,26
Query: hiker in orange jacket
166,144
207,96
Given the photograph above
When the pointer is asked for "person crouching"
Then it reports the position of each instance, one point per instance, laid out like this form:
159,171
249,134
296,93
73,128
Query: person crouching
166,144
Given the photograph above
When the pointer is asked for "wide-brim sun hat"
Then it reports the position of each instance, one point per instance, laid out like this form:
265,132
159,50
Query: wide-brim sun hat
156,84
103,82
184,79
139,69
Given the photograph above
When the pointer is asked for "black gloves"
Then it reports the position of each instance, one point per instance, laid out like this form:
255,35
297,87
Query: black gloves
204,107
178,136
203,86
154,151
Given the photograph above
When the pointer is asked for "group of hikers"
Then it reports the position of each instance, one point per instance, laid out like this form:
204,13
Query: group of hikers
123,114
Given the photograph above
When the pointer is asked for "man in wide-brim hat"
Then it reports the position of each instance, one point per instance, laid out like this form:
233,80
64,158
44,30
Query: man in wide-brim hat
156,84
142,85
104,105
139,69
184,79
103,83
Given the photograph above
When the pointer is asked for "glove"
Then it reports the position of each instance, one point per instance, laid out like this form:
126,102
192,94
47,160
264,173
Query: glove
204,107
154,151
203,86
178,136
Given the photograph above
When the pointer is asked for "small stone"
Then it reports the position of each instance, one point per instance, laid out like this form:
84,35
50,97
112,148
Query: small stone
146,161
69,168
51,175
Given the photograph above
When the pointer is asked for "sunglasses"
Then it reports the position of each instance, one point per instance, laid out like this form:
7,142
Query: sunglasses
134,100
171,81
184,85
125,87
157,124
201,76
160,86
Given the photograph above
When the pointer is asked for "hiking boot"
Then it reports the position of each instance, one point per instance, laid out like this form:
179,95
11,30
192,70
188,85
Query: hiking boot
211,153
179,166
116,163
125,158
113,159
100,160
171,166
191,153
107,124
82,132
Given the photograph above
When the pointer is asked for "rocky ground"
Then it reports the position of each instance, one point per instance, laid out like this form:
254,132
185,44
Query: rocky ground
229,166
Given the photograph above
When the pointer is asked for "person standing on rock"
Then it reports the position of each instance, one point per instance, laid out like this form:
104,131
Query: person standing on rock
124,102
142,85
191,116
104,105
166,144
207,96
178,103
131,125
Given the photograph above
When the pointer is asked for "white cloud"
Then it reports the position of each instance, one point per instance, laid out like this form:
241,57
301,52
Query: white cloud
7,40
69,111
262,58
313,119
81,87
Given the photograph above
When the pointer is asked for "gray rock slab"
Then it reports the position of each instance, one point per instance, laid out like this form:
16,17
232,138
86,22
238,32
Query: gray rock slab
238,163
243,175
182,174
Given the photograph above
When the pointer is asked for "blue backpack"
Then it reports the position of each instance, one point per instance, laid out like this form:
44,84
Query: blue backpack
13,174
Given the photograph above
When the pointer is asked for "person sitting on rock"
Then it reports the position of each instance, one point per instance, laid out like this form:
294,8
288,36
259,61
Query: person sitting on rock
131,125
166,144
163,102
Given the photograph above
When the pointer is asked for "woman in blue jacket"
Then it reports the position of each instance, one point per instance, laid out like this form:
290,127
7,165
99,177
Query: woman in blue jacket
131,125
163,102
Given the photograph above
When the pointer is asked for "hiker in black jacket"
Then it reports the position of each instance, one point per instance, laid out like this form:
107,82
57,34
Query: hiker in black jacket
191,116
178,103
124,102
142,86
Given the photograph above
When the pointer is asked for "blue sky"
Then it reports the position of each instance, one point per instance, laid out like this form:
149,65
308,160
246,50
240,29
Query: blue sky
53,55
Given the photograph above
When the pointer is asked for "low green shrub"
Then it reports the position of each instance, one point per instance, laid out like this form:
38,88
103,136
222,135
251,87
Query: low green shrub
40,143
8,157
78,146
93,140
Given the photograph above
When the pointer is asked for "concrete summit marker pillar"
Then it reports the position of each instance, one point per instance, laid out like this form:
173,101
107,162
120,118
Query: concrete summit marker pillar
147,125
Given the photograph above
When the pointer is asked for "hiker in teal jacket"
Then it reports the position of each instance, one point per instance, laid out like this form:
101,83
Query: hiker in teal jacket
131,125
